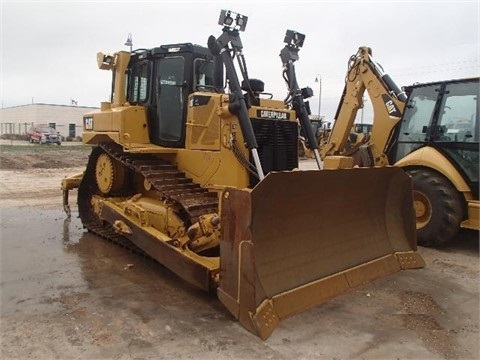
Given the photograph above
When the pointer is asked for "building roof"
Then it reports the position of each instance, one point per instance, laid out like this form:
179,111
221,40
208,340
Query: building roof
43,104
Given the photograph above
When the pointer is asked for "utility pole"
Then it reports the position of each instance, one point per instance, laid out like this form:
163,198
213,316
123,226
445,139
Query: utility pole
318,79
364,99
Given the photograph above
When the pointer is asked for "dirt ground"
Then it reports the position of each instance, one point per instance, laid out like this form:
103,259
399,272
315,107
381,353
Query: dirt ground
66,294
25,156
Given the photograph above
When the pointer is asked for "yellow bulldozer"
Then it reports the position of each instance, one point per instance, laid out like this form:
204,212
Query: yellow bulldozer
203,177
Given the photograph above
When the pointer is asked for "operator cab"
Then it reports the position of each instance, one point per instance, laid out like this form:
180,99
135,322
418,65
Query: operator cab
161,79
445,116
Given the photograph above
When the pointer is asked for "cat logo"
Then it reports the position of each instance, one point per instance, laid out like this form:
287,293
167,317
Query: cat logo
274,115
392,109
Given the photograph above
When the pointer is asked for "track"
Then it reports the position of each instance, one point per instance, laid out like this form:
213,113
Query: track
173,186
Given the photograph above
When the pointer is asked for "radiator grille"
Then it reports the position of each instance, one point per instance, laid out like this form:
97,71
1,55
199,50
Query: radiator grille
277,145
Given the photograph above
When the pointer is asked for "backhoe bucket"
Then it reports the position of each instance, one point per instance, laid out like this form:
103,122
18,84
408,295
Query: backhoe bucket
300,238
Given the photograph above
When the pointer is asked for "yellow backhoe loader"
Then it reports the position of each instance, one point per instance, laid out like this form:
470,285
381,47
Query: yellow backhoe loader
206,181
430,130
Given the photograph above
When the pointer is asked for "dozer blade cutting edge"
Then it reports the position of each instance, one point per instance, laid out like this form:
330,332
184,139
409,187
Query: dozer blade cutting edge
300,238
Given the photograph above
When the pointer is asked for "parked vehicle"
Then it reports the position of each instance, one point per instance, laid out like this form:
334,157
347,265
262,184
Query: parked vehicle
430,130
44,134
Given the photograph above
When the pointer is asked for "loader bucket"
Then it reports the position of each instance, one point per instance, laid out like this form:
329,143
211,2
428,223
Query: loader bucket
300,238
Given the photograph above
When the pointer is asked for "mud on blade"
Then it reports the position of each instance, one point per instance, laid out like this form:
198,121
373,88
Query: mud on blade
299,238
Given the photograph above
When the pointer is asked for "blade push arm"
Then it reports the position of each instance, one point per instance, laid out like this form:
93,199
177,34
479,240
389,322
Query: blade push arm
388,103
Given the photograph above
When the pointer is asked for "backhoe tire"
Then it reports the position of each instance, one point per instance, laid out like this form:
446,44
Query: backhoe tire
438,207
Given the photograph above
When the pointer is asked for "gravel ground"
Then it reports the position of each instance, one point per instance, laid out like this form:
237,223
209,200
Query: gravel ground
67,294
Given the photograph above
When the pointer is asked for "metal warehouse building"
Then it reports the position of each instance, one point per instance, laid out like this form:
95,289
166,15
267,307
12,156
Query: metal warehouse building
66,119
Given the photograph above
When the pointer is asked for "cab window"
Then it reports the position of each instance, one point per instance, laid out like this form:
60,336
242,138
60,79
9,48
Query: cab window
203,75
458,120
138,83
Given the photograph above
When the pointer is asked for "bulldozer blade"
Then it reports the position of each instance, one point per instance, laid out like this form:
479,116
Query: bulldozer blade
300,238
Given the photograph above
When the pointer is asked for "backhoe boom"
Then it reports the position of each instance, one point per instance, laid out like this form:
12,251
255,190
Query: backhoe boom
388,102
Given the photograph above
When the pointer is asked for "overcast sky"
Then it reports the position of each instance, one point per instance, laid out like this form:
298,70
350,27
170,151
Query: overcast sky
48,49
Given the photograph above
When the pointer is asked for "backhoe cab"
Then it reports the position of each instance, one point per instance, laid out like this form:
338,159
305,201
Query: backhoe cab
437,144
204,179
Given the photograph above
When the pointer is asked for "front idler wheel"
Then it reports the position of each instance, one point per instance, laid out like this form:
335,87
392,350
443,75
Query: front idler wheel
109,174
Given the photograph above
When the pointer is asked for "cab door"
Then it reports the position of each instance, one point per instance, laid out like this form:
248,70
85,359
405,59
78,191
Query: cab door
168,127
